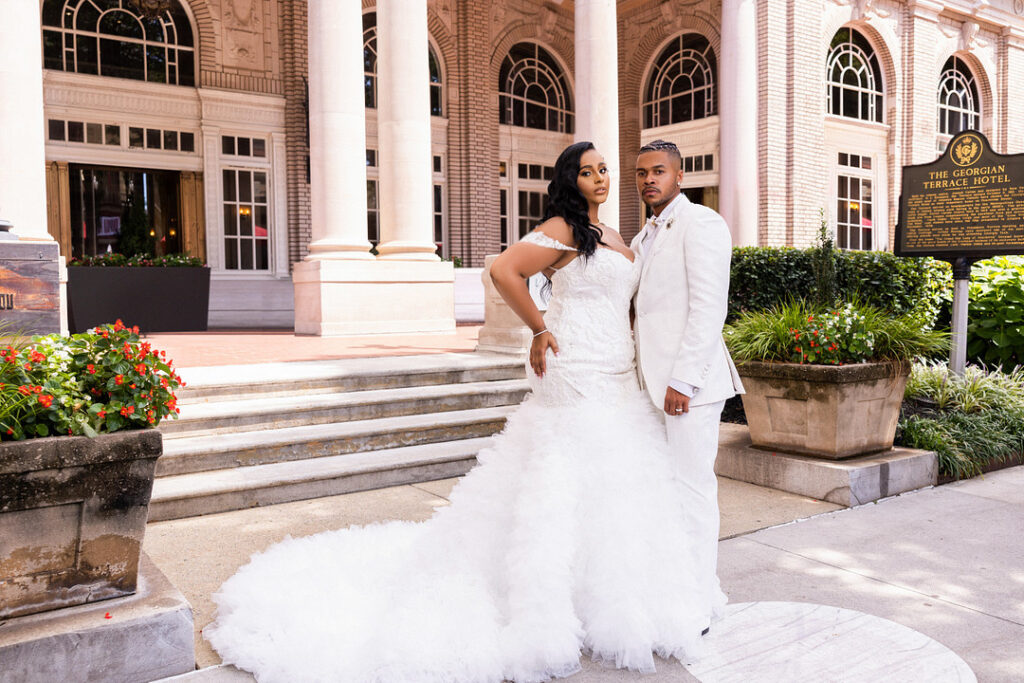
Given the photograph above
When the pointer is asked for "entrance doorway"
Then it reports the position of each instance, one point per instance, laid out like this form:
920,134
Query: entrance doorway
109,205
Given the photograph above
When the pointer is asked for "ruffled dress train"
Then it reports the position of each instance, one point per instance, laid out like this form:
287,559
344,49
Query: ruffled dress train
570,536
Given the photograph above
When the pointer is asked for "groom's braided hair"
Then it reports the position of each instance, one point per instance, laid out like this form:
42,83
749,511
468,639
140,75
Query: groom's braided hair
663,146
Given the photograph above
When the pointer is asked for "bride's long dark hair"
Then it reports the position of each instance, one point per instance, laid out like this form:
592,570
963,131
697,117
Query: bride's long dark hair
566,201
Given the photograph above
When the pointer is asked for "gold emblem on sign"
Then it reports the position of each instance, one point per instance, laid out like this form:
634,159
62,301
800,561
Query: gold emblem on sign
967,150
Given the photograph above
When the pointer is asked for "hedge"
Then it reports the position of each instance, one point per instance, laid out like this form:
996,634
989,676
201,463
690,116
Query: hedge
762,277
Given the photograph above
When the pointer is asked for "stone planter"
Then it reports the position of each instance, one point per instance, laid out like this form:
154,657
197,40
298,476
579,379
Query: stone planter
825,411
72,515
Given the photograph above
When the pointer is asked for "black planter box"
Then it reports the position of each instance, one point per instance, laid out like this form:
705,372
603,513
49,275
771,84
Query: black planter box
156,299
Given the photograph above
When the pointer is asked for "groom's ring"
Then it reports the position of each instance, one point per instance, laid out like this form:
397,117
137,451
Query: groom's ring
679,410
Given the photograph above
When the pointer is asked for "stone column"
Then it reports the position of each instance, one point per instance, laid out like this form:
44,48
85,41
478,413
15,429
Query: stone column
597,90
337,132
22,144
403,132
33,278
341,289
738,167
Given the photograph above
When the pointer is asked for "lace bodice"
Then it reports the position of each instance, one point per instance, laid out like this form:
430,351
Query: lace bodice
589,316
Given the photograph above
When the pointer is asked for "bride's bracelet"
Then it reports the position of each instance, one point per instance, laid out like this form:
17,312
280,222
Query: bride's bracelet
540,333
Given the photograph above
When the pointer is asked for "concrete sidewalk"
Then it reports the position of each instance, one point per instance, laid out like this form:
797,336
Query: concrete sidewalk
946,562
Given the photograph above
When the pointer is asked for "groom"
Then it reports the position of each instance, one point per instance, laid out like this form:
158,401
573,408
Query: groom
682,360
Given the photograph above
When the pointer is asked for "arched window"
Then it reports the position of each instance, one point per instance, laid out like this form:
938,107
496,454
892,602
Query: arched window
370,68
119,38
534,91
436,94
959,104
370,58
682,84
854,77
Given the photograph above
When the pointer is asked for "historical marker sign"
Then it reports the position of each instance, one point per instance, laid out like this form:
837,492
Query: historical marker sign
967,203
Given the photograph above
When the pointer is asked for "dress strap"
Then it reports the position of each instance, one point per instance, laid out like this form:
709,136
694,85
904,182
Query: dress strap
542,240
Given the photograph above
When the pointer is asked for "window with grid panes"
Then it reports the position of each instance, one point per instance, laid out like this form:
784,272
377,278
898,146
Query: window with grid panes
531,210
855,202
246,220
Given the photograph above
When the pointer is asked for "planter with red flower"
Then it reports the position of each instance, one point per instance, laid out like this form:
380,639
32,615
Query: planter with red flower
77,459
826,382
158,294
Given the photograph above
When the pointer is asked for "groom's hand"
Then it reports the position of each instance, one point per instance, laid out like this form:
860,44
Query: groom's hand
676,403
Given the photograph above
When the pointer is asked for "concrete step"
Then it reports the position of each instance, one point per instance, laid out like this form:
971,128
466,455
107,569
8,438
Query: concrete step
206,452
202,493
278,412
209,384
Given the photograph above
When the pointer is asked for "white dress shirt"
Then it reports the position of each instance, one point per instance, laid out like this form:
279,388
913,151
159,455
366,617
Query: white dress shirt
656,223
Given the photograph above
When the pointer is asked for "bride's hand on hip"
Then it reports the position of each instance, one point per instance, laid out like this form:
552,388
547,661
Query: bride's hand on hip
538,350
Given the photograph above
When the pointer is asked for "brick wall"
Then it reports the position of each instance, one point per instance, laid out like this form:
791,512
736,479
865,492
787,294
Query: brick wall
294,56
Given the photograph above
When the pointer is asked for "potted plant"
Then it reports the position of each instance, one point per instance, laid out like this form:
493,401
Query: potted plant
826,381
157,294
77,458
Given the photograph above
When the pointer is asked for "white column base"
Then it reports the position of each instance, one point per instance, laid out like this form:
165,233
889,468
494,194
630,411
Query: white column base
348,298
503,331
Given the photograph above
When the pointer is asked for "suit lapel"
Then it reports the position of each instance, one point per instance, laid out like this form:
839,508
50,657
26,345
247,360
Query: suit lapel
659,239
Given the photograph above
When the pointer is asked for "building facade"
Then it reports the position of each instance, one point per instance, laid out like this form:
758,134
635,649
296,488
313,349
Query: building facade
207,112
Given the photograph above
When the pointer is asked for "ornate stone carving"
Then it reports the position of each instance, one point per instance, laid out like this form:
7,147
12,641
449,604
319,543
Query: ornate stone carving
445,11
242,14
243,33
968,34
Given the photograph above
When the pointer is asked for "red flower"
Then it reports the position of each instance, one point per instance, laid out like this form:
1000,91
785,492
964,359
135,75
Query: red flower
45,400
140,368
102,414
119,379
118,325
91,368
127,410
24,390
36,357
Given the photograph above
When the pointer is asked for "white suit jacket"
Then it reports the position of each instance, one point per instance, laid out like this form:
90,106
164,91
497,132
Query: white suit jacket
682,303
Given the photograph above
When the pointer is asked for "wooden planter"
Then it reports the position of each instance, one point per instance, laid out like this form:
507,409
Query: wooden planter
824,411
72,516
156,299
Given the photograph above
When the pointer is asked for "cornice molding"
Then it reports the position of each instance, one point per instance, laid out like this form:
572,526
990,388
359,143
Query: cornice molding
96,93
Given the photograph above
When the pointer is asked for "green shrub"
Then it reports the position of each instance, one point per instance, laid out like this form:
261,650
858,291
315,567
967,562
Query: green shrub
996,313
764,277
969,421
800,332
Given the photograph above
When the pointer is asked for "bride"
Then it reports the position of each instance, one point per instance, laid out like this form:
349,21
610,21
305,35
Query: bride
570,536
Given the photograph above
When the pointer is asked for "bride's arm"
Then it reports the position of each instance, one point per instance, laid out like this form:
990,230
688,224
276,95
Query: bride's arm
514,266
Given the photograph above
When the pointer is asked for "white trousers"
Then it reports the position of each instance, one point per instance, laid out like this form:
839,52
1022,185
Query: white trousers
693,440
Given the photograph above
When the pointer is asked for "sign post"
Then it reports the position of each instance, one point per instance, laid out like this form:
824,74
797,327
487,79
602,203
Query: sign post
965,206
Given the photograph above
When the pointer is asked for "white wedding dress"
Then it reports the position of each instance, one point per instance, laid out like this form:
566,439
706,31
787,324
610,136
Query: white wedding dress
570,536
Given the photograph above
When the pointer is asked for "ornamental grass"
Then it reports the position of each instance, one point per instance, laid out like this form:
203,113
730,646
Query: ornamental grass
798,331
103,380
971,421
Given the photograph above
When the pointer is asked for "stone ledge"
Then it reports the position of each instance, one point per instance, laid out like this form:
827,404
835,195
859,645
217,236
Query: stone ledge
850,482
148,637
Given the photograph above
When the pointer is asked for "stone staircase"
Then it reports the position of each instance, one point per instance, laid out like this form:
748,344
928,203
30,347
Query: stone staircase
251,435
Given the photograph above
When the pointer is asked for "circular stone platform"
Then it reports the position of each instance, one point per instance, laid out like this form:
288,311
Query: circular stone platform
771,642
